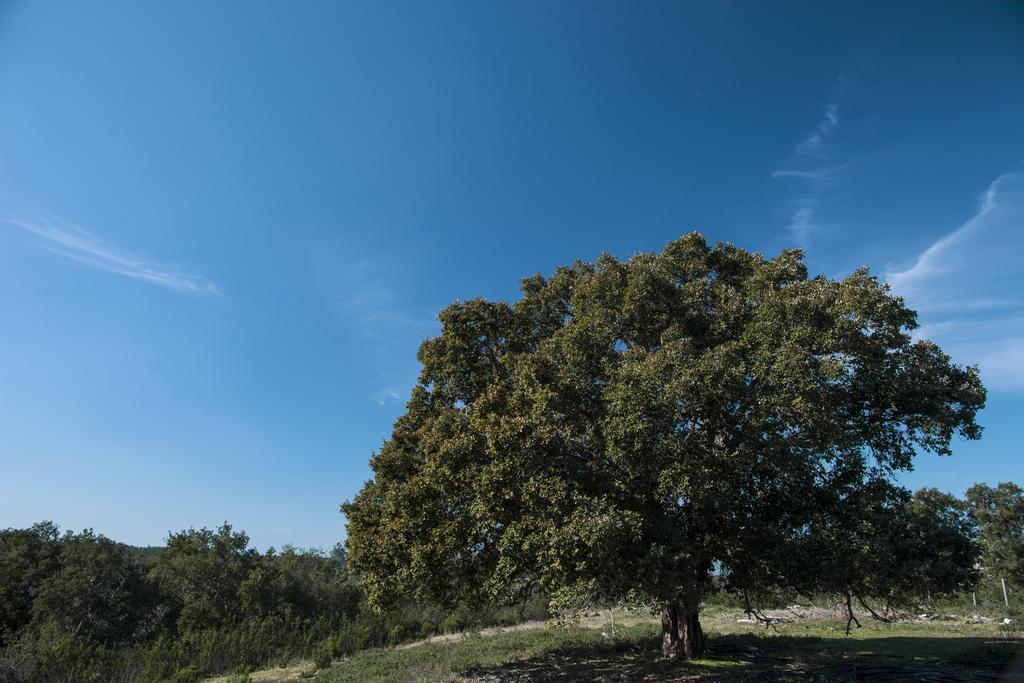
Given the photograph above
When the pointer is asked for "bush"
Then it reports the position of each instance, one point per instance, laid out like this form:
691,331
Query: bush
397,634
52,654
188,674
352,637
323,656
162,659
506,617
240,650
376,628
453,623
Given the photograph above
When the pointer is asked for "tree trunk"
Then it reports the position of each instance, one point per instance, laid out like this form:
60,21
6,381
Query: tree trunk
681,634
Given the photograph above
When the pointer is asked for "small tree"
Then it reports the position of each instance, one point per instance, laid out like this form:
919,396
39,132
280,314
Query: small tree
99,591
999,514
627,425
201,573
939,538
300,584
876,546
28,557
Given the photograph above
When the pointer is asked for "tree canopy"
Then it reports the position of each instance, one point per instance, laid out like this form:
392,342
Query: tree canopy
628,426
999,513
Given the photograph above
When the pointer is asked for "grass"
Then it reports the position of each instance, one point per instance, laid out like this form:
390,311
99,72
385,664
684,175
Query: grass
811,650
436,661
294,672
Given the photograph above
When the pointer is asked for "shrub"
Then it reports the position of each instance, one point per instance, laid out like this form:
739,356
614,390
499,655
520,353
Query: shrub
506,617
350,638
376,629
323,656
162,659
427,629
453,623
188,674
397,634
56,655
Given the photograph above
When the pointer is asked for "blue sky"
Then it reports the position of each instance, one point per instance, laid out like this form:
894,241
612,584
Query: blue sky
227,226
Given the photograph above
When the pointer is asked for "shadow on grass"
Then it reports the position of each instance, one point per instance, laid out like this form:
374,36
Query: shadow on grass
634,661
777,658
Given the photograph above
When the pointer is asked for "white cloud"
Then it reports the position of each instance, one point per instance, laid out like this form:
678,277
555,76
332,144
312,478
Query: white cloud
809,166
74,242
968,286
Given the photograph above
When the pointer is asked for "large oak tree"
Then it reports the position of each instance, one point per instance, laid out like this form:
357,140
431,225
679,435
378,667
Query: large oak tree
628,427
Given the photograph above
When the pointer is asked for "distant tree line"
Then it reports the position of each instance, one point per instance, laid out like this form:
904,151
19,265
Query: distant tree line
82,607
79,606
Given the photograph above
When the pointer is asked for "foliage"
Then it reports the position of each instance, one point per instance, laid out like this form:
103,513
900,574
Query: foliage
628,427
999,513
939,540
188,674
99,591
879,543
82,607
202,573
27,558
323,656
90,609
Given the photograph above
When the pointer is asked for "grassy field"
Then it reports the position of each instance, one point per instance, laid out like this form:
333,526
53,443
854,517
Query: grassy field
801,651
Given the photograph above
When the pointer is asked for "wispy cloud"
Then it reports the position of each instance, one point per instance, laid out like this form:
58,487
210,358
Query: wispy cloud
966,286
78,244
917,280
802,222
376,310
811,145
816,174
811,167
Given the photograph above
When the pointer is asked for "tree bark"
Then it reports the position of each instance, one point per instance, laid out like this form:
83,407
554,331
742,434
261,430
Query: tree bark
681,634
850,617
